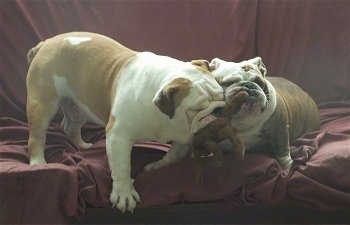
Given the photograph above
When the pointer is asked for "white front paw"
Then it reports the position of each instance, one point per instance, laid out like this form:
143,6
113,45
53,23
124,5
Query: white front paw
154,165
124,196
39,160
285,161
85,145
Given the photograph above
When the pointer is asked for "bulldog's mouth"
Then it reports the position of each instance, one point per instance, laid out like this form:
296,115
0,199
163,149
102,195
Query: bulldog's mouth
196,122
254,103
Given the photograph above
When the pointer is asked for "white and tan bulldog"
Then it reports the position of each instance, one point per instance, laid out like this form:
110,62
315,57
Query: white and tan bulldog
276,112
136,96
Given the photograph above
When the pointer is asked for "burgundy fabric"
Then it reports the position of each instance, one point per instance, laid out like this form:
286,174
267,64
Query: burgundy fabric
304,41
75,179
322,179
71,181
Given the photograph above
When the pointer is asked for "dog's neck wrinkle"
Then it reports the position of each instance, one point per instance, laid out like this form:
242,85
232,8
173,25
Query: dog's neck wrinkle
242,129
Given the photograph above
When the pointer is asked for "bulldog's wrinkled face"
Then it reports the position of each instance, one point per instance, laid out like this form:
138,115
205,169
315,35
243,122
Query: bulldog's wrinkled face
247,76
191,96
204,98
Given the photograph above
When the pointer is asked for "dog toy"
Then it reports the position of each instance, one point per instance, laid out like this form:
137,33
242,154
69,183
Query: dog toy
217,128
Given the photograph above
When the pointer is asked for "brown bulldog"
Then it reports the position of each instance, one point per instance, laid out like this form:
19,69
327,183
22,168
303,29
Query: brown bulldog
276,112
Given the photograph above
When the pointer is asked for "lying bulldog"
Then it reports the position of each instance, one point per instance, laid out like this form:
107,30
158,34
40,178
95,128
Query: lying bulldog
136,96
276,112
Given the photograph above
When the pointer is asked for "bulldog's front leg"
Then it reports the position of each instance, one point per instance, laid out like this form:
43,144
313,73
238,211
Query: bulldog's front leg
281,147
176,152
277,132
123,195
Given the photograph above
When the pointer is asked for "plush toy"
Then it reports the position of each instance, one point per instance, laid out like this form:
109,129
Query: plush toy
216,128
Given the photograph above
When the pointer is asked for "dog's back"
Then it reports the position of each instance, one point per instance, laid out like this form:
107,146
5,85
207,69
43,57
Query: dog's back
305,117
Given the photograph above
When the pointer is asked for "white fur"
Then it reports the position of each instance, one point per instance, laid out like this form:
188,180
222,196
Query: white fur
285,160
248,126
137,119
77,40
144,77
134,115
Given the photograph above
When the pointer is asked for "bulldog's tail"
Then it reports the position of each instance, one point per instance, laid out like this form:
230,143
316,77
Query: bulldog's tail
32,52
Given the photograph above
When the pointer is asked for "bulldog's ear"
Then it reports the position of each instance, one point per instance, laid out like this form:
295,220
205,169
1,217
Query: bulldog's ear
214,64
171,96
258,62
202,63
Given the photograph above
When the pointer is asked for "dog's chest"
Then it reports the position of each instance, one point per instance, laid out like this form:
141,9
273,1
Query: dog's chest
253,137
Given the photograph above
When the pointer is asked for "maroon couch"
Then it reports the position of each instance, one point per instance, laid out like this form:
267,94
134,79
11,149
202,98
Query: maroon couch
305,41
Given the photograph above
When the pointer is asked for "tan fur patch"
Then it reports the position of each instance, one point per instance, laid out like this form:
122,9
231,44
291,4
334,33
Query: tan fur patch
202,65
172,95
110,123
82,64
246,68
184,86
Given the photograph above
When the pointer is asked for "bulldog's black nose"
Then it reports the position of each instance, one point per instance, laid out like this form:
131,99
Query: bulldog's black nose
249,85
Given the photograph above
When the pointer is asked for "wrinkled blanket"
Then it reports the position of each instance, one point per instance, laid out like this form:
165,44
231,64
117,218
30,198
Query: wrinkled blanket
75,179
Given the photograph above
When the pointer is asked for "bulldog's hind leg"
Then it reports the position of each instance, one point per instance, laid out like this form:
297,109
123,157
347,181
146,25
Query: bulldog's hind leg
280,145
39,114
72,122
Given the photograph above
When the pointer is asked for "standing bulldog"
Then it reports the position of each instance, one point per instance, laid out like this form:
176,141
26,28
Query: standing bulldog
136,96
276,112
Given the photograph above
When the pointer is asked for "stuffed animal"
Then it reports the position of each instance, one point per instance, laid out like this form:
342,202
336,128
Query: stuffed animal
216,128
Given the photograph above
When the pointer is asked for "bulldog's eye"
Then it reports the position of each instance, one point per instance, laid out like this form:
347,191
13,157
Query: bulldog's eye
227,84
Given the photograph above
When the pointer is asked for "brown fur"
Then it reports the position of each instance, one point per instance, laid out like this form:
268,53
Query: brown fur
172,96
118,56
78,70
206,139
296,113
202,65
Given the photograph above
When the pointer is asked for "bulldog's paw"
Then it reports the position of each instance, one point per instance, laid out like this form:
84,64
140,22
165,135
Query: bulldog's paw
124,196
85,145
39,160
154,165
285,161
